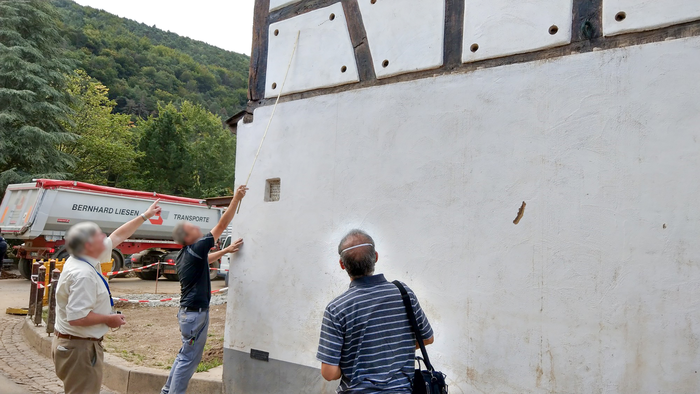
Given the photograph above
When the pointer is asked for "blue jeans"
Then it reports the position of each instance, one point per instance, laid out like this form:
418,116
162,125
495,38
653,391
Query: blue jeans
193,327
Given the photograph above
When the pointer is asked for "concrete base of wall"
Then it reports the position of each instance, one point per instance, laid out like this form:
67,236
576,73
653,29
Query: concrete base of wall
244,375
124,377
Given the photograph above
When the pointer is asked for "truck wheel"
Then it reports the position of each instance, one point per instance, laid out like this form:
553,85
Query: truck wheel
25,268
148,275
118,258
213,274
172,277
61,255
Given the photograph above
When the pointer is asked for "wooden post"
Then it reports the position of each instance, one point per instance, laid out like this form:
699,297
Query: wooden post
157,276
32,289
39,302
49,270
55,274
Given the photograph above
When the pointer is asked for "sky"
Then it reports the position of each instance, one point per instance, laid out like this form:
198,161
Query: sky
227,24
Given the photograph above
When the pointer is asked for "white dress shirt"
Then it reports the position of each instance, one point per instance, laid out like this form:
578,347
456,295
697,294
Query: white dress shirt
81,290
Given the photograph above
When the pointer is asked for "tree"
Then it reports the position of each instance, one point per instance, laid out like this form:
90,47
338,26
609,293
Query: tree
187,152
33,100
212,151
106,143
164,165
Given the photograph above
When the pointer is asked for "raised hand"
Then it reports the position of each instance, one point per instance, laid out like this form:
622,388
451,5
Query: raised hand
153,210
240,193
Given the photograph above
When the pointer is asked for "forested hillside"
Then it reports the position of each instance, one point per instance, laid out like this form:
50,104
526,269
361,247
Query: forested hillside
142,65
88,96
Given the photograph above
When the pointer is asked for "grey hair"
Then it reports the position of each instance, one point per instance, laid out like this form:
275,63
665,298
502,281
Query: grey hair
80,234
360,261
179,233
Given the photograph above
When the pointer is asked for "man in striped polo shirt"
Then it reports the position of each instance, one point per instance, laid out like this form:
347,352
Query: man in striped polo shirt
366,339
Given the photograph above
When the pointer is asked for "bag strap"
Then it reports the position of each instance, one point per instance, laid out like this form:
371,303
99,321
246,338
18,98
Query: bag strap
414,323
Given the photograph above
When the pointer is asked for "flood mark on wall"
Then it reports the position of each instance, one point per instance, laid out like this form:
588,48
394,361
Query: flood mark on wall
521,212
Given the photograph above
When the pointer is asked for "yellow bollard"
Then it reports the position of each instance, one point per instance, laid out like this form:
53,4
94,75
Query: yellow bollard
105,267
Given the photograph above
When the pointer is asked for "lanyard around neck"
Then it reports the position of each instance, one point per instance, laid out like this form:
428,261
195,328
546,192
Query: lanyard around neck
111,301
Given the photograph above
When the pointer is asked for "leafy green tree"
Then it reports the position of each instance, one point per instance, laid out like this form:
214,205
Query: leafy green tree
212,152
187,152
107,143
164,164
33,100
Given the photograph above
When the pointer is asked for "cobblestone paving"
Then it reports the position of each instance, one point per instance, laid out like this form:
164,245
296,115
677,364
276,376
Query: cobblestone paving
22,364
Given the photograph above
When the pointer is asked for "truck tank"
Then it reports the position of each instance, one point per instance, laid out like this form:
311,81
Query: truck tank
41,212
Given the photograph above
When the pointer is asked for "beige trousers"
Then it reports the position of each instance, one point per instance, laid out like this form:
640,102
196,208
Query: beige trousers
78,364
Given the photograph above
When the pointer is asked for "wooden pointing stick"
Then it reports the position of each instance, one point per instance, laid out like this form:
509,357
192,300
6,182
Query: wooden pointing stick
296,42
521,212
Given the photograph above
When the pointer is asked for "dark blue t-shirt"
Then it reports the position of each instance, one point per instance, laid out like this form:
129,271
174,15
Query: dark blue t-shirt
193,269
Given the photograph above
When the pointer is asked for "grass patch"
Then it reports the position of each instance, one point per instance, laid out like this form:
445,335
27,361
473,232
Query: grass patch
210,361
207,365
132,356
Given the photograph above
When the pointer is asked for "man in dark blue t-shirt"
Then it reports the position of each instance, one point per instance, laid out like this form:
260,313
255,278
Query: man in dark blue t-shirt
195,287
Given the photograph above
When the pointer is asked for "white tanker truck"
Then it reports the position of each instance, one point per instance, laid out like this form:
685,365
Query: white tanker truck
41,212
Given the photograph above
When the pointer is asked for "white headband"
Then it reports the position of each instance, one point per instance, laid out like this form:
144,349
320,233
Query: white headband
353,247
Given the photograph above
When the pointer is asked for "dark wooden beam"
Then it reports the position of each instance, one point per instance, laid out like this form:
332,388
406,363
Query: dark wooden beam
358,36
454,33
258,54
587,22
299,8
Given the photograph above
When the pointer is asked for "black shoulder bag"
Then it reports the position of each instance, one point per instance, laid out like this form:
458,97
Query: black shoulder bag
424,382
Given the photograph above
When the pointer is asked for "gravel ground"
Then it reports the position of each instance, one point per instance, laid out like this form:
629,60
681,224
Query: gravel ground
151,336
216,299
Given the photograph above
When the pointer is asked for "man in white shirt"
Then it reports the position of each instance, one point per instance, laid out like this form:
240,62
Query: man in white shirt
84,304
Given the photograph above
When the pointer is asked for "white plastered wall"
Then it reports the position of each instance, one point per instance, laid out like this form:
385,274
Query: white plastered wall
625,16
596,290
497,28
324,56
404,35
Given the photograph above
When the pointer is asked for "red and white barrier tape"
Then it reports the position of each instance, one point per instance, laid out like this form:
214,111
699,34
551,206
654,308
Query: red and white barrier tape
148,266
143,301
142,268
163,300
39,285
210,269
130,270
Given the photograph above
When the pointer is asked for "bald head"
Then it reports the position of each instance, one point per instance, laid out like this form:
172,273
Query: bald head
357,253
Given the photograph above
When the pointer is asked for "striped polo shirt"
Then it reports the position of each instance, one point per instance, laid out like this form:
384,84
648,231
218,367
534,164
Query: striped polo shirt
366,332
